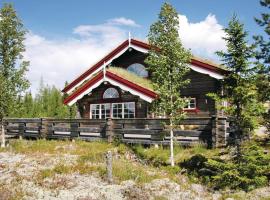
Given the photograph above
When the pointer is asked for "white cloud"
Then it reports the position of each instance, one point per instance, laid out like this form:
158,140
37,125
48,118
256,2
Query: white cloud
204,38
123,21
63,60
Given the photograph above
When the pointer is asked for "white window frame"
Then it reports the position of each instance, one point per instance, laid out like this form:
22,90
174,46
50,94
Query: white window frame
111,110
189,104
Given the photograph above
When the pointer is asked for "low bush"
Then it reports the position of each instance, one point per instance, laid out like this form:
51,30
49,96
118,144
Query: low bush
250,171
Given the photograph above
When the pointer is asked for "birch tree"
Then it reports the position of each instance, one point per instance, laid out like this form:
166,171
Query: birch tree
168,64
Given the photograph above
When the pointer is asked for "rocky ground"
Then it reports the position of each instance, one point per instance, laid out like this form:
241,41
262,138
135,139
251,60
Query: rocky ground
19,179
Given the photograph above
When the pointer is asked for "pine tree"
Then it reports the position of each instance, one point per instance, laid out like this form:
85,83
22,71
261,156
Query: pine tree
263,60
168,63
12,67
240,90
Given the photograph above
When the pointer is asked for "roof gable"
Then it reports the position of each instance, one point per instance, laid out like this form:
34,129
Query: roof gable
196,64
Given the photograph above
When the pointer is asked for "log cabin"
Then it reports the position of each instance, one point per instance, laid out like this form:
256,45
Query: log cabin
119,85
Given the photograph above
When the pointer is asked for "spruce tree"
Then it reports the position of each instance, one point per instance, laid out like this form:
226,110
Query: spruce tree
168,64
12,66
240,91
263,60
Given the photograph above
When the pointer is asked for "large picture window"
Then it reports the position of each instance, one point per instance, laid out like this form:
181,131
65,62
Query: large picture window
113,110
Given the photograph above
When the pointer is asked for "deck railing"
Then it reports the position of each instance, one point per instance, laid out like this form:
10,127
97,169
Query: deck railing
208,130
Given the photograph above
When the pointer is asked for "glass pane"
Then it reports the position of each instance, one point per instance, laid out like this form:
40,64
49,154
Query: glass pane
105,111
117,110
110,93
138,69
129,110
95,108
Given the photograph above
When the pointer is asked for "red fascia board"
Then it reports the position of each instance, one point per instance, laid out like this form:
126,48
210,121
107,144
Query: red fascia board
131,85
140,44
84,87
208,66
97,65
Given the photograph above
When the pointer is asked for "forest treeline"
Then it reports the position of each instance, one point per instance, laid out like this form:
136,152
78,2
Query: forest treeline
47,102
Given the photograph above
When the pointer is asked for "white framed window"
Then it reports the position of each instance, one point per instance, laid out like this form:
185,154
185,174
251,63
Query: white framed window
117,110
113,110
191,104
105,110
95,111
110,93
129,110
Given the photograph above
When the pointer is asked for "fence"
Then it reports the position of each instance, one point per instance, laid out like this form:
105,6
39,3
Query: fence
209,130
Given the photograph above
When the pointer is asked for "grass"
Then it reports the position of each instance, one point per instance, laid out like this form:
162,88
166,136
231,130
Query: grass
124,170
161,156
132,77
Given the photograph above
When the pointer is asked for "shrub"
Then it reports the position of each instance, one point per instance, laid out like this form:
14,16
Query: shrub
251,171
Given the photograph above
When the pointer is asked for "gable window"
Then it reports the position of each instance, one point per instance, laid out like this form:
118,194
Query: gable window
138,69
191,104
110,93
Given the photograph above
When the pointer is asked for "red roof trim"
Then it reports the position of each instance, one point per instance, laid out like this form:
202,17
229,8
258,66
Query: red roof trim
142,45
97,65
119,79
84,87
208,66
131,85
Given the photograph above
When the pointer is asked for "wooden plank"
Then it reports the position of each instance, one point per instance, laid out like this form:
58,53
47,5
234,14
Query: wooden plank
89,129
135,136
90,134
140,131
12,127
187,133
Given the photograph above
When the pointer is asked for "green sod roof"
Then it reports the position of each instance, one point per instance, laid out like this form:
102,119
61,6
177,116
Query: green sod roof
132,77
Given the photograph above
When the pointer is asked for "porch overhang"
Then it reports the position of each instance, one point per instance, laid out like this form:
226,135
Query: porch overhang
107,76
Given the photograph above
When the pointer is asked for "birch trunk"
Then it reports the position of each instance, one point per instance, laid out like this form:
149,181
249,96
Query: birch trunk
3,137
171,144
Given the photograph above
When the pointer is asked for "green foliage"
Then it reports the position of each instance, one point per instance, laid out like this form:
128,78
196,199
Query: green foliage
12,66
156,156
168,63
263,60
251,172
47,103
240,91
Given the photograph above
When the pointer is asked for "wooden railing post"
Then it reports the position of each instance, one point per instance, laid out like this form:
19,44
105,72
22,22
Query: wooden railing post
44,128
219,128
214,131
74,130
109,130
21,130
109,166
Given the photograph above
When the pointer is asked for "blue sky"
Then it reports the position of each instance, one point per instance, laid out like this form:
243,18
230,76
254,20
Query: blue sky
66,37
